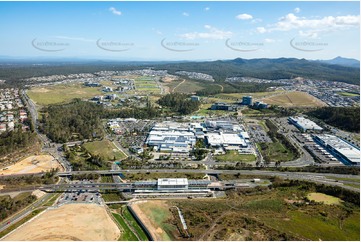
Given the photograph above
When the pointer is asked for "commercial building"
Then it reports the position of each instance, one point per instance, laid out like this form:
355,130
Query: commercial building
224,106
340,149
260,105
304,124
195,98
172,187
228,141
247,100
172,183
171,137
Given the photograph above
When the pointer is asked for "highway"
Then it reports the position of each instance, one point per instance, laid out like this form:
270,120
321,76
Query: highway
53,149
307,176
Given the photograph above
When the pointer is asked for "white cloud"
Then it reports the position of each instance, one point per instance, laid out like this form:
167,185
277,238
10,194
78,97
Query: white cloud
325,24
114,11
207,8
185,14
308,34
244,16
269,40
211,33
256,20
261,30
297,10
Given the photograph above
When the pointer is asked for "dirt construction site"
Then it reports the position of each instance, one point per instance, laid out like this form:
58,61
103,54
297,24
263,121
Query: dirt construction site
71,222
32,164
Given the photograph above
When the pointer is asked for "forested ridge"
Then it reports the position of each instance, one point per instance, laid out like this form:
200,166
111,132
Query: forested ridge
281,68
180,103
12,141
74,121
346,118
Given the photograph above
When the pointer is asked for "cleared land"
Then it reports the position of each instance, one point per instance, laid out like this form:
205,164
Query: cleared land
294,99
320,197
32,164
146,85
156,217
278,214
236,157
255,95
61,93
105,149
69,222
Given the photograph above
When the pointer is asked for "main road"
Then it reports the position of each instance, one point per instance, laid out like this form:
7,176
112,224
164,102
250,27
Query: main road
52,148
307,176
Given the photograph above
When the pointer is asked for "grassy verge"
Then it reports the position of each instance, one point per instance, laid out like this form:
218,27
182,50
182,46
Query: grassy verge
106,179
129,217
234,156
105,149
112,196
51,200
352,185
344,179
22,221
127,234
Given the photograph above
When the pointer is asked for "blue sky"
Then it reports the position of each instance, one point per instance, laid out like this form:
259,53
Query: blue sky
180,30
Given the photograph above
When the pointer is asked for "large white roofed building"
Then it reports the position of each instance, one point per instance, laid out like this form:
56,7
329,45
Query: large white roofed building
340,149
172,183
304,124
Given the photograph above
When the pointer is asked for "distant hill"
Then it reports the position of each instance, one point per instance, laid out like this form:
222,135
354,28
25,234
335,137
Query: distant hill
342,62
269,69
281,68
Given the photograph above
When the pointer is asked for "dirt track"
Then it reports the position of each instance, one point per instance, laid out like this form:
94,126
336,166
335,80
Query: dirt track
32,164
69,222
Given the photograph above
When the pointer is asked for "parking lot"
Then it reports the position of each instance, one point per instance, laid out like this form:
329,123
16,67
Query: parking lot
258,134
134,133
316,150
83,196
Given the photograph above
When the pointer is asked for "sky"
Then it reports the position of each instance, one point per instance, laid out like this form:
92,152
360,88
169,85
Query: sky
180,30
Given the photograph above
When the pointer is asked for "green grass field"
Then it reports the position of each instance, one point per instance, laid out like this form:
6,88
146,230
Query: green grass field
320,197
61,93
127,234
158,212
146,84
105,149
235,157
276,151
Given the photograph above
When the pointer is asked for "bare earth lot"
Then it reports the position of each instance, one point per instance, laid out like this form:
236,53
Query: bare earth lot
69,222
294,99
32,164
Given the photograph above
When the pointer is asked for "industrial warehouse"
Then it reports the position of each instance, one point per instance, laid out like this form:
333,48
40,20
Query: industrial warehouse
340,149
304,124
